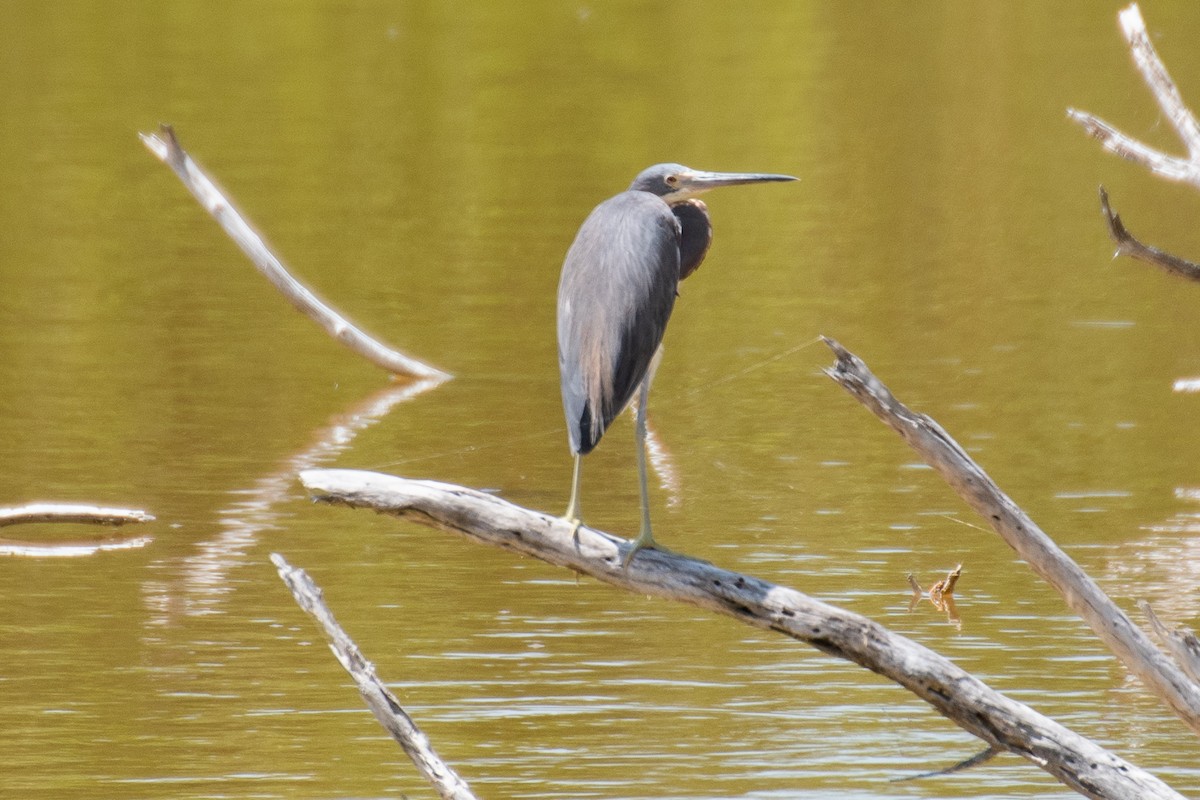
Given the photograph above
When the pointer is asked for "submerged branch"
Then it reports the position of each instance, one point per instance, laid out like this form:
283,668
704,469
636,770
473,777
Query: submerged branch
165,146
938,449
382,703
973,761
998,720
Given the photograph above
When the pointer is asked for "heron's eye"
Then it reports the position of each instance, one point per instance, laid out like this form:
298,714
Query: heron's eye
672,180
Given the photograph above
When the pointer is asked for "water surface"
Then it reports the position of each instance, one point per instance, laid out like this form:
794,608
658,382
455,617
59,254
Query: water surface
425,168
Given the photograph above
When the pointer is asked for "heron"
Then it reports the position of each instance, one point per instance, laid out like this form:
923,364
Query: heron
617,290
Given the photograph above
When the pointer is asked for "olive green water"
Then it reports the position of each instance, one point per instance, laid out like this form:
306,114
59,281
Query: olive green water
424,167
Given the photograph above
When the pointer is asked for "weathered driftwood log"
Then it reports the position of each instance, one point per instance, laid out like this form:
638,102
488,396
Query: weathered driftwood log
1154,72
382,703
964,699
938,449
165,146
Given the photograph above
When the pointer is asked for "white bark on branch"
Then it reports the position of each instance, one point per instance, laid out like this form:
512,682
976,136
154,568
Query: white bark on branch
1154,72
938,449
955,693
71,512
382,703
165,146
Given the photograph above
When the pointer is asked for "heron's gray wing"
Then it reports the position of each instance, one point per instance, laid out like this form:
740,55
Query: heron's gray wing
614,299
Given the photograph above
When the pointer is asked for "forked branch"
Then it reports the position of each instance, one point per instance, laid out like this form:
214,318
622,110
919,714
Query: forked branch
1155,74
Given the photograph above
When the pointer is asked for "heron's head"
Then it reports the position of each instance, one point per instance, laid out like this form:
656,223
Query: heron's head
675,183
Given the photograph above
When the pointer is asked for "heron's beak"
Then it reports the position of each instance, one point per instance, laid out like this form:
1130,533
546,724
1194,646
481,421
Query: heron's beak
696,181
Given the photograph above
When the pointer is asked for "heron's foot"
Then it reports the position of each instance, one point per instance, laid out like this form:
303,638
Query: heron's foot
644,539
574,521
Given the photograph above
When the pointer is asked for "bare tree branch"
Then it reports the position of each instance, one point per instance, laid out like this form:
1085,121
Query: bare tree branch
383,703
1127,245
1169,100
953,692
71,512
1154,72
1114,141
165,146
973,485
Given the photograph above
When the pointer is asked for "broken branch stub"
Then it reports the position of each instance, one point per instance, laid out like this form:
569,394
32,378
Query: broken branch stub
1181,642
1128,245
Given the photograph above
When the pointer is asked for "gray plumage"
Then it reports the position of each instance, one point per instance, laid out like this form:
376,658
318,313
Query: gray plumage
618,288
617,292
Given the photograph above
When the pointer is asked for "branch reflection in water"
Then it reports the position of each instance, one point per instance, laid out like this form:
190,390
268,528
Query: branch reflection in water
205,575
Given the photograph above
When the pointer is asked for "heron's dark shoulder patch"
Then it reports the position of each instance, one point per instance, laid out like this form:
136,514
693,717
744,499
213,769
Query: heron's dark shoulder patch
695,234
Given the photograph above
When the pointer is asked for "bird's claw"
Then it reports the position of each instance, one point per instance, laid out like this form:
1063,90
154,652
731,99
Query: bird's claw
625,559
643,541
575,522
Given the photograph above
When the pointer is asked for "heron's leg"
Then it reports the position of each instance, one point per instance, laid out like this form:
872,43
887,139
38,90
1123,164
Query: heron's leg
572,515
645,537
